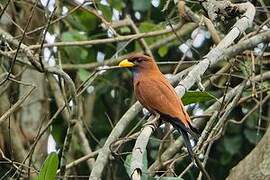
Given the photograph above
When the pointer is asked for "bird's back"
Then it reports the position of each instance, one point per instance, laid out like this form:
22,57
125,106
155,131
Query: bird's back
156,94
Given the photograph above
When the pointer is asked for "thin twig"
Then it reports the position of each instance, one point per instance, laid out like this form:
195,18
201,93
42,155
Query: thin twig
19,45
105,40
44,37
43,131
4,9
53,21
16,105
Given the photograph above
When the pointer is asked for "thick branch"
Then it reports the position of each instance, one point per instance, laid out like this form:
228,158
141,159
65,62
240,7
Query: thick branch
255,166
136,166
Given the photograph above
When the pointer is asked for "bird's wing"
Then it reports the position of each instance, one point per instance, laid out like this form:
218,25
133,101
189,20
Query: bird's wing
156,94
159,96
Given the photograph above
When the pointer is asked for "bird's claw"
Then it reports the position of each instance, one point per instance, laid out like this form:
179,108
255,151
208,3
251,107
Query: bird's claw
153,121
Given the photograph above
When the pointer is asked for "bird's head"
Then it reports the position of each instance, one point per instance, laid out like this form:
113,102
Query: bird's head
139,62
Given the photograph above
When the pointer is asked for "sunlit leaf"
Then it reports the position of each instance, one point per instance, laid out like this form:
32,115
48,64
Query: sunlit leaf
49,167
124,30
162,51
73,36
246,68
83,74
147,26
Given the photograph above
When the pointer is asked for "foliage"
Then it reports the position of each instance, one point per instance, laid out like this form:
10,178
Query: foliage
196,97
49,167
109,95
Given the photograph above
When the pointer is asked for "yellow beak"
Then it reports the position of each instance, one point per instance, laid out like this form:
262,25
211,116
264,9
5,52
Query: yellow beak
126,63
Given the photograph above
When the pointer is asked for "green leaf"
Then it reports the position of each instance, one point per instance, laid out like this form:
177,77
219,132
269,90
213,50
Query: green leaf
141,5
162,51
83,54
88,21
74,54
117,4
73,36
125,30
49,167
106,11
83,74
66,36
196,97
148,26
74,22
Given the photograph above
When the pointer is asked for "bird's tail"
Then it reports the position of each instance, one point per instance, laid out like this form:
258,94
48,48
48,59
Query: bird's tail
180,126
186,139
191,155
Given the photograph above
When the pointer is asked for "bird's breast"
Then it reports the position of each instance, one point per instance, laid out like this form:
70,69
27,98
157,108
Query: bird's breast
136,74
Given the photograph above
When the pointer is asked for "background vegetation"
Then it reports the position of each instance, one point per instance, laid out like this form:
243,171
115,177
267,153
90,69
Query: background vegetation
55,95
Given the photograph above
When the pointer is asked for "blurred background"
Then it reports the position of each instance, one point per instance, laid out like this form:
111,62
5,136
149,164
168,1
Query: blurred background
77,37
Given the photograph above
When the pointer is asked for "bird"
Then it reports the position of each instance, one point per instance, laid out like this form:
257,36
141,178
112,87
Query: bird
158,96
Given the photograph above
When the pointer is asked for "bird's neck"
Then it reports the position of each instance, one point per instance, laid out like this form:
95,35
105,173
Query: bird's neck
136,73
144,73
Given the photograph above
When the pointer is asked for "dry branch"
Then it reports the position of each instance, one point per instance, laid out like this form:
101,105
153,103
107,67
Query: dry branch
16,105
214,55
136,165
106,40
255,166
173,148
52,70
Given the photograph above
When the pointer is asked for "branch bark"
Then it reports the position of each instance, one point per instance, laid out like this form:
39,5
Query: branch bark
256,165
173,148
136,165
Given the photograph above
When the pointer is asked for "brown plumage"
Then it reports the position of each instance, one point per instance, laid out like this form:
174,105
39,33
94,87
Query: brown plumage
157,95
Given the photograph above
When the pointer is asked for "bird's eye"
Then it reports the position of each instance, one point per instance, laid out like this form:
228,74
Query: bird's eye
139,60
